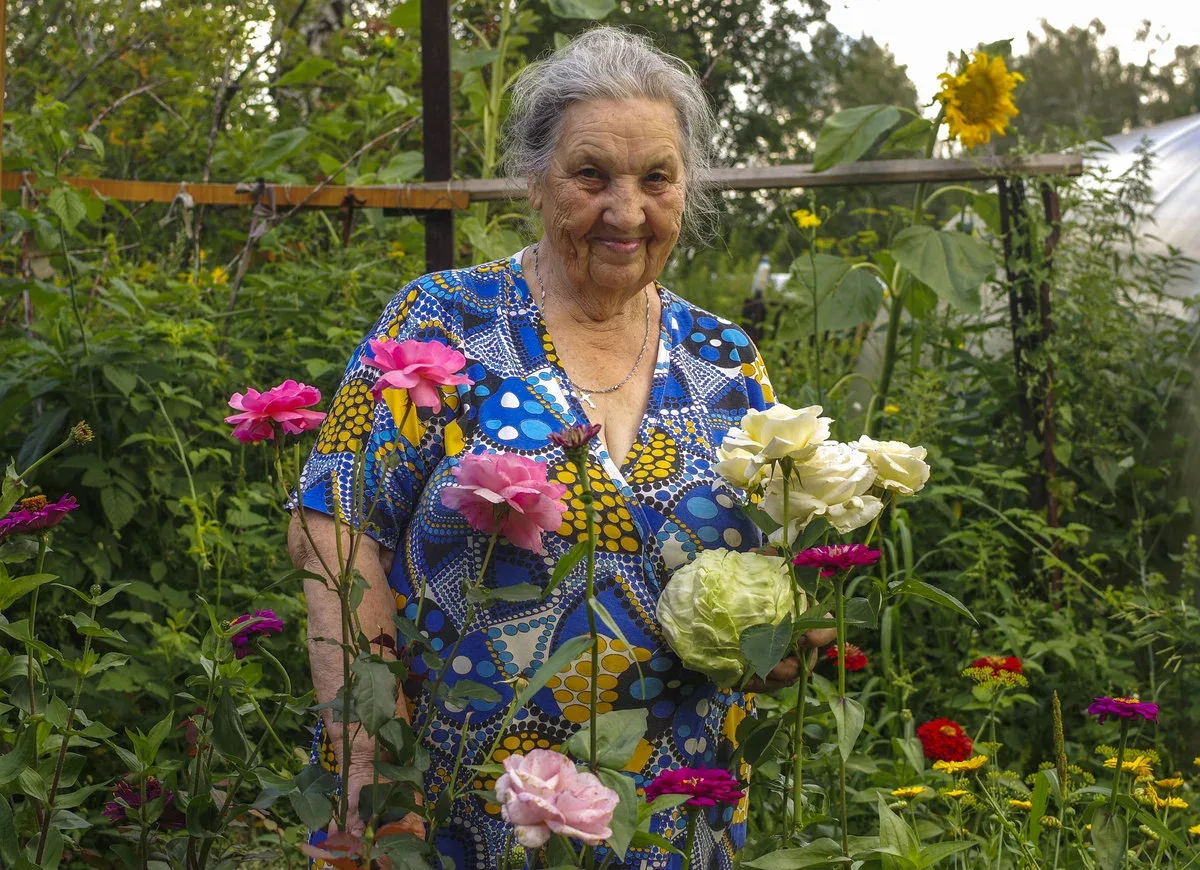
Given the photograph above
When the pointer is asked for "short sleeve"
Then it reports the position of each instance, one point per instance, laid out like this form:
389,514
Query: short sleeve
373,458
759,392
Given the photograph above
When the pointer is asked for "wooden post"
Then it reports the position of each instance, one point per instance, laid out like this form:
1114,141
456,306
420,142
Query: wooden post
439,156
3,55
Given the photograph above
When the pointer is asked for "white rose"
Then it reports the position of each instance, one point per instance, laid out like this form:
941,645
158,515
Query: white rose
779,432
898,467
833,484
741,467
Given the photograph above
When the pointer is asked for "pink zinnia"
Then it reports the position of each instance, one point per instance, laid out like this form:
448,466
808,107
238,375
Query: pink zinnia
708,786
36,514
421,367
507,493
285,404
263,623
837,557
1122,708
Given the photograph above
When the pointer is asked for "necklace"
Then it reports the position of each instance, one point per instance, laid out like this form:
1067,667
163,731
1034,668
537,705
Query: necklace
585,394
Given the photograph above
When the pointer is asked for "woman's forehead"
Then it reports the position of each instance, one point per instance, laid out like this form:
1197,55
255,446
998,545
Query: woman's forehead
600,129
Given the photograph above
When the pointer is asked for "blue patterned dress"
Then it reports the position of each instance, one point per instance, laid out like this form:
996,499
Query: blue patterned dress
655,510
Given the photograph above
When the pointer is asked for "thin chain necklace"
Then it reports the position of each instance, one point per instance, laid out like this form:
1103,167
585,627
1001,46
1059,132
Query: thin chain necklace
585,394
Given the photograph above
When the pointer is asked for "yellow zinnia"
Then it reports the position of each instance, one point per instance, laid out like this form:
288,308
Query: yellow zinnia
978,101
1139,765
910,791
805,219
959,766
1020,805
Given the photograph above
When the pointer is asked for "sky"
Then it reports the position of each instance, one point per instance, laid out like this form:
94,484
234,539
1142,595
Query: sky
921,32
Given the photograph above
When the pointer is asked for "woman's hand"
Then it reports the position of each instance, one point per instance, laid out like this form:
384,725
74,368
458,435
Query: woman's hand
361,773
787,672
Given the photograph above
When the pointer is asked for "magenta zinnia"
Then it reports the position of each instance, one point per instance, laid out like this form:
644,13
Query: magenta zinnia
127,796
707,786
576,437
262,623
286,404
837,557
36,514
1122,708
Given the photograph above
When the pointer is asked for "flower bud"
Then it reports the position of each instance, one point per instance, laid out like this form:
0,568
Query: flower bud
81,433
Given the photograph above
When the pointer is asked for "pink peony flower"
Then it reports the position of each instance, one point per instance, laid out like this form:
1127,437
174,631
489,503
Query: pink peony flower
836,557
507,493
421,367
285,404
36,514
542,793
708,786
263,623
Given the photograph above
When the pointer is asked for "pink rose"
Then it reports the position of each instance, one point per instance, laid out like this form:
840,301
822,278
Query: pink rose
542,794
507,493
284,404
421,367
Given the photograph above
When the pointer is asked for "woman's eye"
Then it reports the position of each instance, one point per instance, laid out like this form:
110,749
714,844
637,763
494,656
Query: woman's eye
657,178
590,173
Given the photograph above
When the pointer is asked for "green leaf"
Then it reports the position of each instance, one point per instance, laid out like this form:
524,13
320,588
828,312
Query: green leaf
844,296
15,588
309,69
1041,793
406,16
952,264
611,624
935,853
19,757
764,645
910,748
752,746
464,691
1108,838
590,10
646,840
9,846
660,804
624,820
850,717
913,136
374,694
277,148
618,733
1155,824
228,736
564,566
921,589
567,652
68,204
515,593
894,834
311,797
118,506
819,853
847,135
123,380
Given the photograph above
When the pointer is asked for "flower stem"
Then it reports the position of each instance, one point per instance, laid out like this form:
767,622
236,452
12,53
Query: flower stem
840,615
798,746
1112,798
57,449
33,603
589,505
693,817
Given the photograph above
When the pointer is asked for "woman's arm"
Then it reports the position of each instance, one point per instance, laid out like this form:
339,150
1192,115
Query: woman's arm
374,613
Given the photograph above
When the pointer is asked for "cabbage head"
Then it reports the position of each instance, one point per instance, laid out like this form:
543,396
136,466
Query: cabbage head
709,602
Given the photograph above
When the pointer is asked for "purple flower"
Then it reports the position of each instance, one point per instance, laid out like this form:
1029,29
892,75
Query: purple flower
707,786
36,514
128,796
838,557
263,623
575,437
1122,708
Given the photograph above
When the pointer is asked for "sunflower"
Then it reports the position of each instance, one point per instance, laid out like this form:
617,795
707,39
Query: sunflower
978,101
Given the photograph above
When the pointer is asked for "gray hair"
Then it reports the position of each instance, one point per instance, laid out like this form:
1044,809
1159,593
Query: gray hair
607,63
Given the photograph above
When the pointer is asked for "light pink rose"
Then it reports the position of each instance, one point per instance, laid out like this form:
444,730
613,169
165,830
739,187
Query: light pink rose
508,493
421,367
284,404
542,794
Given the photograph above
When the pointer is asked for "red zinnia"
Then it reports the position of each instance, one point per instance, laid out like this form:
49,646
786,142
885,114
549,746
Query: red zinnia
36,514
999,664
856,659
708,786
838,557
944,740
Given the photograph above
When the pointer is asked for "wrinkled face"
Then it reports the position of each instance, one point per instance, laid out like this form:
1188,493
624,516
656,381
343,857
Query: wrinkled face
612,200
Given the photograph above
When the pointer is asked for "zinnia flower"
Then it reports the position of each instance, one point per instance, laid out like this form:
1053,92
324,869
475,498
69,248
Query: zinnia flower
1122,708
127,796
507,493
36,514
805,219
286,404
575,438
421,367
81,433
856,659
542,793
1001,670
996,664
973,763
944,740
910,791
1140,766
836,557
708,786
265,623
978,101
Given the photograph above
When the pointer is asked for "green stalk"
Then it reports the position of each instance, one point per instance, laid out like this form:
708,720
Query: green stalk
840,613
66,740
56,450
588,499
798,741
1112,798
33,603
693,816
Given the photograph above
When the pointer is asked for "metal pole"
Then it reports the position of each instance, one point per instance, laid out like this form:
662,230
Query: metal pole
435,94
3,54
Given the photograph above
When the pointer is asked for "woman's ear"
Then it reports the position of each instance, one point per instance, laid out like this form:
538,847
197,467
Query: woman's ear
535,194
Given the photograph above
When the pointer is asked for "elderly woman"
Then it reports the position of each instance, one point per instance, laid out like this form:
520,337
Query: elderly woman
614,139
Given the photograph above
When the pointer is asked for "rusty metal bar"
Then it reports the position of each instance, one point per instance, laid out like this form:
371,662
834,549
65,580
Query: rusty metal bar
437,128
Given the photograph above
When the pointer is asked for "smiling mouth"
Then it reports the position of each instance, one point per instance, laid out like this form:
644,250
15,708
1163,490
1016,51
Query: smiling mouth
622,246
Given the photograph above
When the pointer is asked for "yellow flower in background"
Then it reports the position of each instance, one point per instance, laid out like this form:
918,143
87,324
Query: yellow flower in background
1196,761
910,791
805,219
1177,803
891,409
1194,829
1020,805
955,792
978,101
220,276
1172,783
1139,766
959,766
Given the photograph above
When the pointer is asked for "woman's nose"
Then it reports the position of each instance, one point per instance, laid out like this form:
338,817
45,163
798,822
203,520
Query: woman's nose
624,209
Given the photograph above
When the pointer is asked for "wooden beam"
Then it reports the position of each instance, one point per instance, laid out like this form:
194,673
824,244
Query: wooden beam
428,198
845,175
